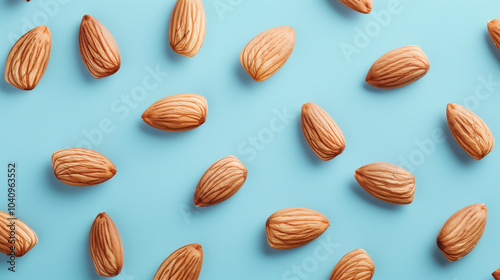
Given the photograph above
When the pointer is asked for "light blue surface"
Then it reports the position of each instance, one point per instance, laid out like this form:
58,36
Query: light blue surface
150,198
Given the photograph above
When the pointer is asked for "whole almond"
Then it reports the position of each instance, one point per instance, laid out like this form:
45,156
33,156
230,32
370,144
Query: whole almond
267,52
362,6
461,232
293,227
187,27
177,112
355,265
387,182
98,48
82,167
28,58
221,181
494,30
105,246
21,242
471,133
322,134
496,274
183,264
398,68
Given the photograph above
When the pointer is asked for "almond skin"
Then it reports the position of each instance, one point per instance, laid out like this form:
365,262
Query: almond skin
221,181
267,52
471,133
398,68
82,167
496,274
183,264
494,30
355,265
25,237
98,48
187,27
293,227
362,6
387,182
462,231
322,134
28,58
177,112
105,246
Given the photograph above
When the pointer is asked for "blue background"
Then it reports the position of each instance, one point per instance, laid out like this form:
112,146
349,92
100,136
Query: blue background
150,198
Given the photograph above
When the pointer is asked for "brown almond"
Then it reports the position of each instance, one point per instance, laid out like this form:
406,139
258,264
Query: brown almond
494,30
98,48
471,133
362,6
183,264
267,52
187,27
496,274
178,112
25,238
462,231
105,246
355,265
82,167
398,68
221,181
28,58
293,227
387,182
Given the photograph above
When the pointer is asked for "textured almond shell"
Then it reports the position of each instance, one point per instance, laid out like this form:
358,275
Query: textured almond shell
362,6
293,227
496,274
322,134
82,167
221,181
25,237
267,52
462,231
28,58
98,48
398,68
178,112
355,265
105,246
183,264
187,27
471,133
387,182
494,30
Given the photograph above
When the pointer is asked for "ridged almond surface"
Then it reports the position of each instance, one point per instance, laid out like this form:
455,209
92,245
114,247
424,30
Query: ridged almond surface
183,264
461,232
293,227
178,112
25,237
355,265
496,274
471,133
187,27
267,52
387,182
362,6
322,134
98,48
221,181
105,246
398,68
494,30
82,167
28,58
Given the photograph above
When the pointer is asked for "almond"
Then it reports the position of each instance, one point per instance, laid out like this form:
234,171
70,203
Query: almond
267,52
221,181
105,246
496,274
28,58
183,264
469,131
25,237
177,112
187,27
98,48
355,265
82,167
293,227
398,68
323,135
362,6
494,30
387,182
462,231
